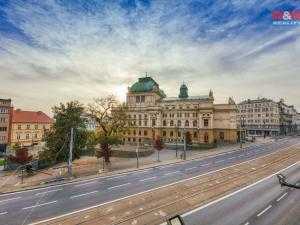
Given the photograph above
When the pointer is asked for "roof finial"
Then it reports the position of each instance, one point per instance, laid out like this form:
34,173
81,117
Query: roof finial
146,74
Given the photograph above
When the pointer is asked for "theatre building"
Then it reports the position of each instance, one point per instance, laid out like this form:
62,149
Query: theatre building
154,114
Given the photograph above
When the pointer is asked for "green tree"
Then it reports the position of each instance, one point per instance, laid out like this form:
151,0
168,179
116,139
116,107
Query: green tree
66,116
113,121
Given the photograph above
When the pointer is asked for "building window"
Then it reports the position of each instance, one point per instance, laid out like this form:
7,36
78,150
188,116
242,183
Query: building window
221,135
145,133
36,126
195,123
164,133
137,98
19,127
179,134
140,123
171,123
129,132
164,123
205,122
35,135
171,133
28,127
145,123
153,122
18,136
195,134
134,132
2,138
3,128
179,123
206,137
142,98
186,124
27,136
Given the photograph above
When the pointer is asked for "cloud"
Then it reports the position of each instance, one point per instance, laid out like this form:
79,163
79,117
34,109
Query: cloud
80,50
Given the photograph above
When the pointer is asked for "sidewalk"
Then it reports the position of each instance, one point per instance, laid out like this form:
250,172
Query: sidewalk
88,167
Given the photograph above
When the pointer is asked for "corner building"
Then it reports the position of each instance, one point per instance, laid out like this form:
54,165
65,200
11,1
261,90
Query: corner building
153,113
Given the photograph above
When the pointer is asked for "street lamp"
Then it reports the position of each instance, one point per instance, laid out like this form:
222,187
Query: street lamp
176,130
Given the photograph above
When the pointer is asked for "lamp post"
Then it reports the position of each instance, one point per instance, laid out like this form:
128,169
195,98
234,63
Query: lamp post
241,135
198,131
184,143
176,130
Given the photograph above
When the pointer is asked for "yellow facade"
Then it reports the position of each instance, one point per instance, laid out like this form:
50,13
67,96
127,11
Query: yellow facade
28,133
153,114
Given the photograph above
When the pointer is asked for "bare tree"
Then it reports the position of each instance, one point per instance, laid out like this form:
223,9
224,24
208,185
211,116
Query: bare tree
113,121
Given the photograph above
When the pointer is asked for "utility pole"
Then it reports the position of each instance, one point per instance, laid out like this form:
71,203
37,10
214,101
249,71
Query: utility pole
70,154
241,139
184,144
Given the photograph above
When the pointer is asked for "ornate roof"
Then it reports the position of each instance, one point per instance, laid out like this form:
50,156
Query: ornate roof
147,84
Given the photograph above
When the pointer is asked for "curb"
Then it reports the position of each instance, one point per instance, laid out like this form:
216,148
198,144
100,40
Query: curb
70,181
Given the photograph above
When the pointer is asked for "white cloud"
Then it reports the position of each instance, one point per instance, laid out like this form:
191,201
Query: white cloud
74,54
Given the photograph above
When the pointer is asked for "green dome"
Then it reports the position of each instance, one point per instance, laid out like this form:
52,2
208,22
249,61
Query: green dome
147,84
183,91
144,84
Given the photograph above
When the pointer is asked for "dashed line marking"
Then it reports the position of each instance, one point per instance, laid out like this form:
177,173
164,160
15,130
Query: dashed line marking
112,178
231,158
76,196
220,161
150,178
78,185
6,200
265,210
281,197
206,164
45,192
247,223
166,174
121,185
34,206
191,168
3,213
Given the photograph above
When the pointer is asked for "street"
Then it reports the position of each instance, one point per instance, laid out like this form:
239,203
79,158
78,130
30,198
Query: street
45,203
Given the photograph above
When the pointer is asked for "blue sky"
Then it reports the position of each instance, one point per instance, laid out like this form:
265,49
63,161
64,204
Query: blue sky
56,51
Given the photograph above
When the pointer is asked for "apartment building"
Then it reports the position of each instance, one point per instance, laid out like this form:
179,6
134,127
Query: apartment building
259,116
5,123
28,127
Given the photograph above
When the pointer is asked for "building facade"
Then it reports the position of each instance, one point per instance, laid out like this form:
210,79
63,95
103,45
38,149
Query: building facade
259,116
288,118
6,110
154,114
28,128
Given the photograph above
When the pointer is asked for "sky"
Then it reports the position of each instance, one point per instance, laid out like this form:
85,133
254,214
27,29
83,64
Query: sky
57,51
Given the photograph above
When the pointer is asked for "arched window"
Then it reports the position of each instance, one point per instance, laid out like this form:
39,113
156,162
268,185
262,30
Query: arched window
171,123
186,124
164,123
164,133
179,123
171,133
179,134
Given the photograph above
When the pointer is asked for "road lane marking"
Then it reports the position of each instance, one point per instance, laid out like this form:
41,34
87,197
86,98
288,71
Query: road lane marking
265,210
220,161
206,164
281,197
177,182
240,156
34,206
76,196
48,191
150,178
166,174
121,185
3,213
247,223
231,158
6,200
191,168
78,185
112,178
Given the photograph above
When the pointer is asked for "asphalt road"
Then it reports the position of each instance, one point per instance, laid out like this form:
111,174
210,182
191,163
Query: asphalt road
264,203
35,205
